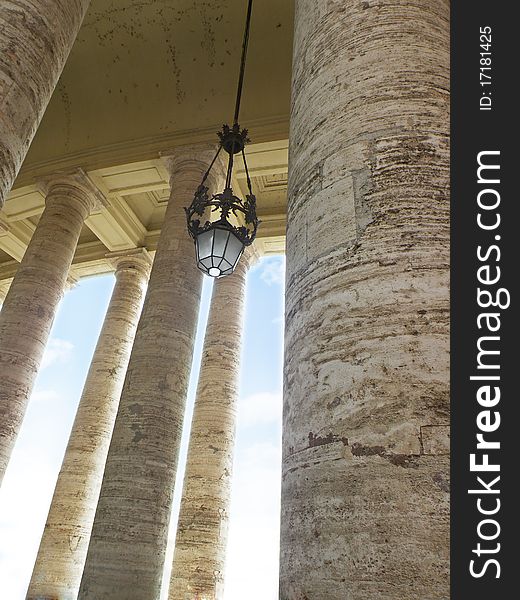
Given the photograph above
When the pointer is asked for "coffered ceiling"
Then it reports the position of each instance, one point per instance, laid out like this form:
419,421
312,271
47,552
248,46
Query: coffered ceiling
131,214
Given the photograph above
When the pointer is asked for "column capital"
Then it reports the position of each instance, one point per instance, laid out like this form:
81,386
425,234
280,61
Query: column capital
75,183
196,156
71,282
134,260
251,255
249,258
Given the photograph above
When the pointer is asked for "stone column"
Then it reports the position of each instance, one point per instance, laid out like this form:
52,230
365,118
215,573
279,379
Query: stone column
64,544
30,305
200,545
126,553
35,41
365,492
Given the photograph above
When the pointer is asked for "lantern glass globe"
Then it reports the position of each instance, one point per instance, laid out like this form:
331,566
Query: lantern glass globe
218,251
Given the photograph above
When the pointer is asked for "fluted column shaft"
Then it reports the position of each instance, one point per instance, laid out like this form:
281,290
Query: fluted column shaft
365,491
35,41
63,548
200,545
30,305
125,558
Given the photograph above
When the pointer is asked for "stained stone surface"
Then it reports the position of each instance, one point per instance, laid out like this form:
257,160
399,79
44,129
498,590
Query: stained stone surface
200,545
365,492
125,558
63,548
30,305
35,41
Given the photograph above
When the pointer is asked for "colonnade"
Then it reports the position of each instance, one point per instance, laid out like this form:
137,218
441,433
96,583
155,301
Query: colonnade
366,408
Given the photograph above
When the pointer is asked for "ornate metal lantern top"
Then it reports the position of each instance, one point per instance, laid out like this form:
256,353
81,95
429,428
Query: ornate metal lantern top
222,224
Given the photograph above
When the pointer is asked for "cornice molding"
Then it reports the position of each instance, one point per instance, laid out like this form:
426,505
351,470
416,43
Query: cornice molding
262,130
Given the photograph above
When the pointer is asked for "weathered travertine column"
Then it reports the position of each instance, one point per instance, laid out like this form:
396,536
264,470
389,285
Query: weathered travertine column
126,553
63,548
30,305
365,492
200,545
35,41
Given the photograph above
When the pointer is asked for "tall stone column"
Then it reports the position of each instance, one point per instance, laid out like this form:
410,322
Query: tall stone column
64,544
30,305
35,41
200,545
365,491
125,558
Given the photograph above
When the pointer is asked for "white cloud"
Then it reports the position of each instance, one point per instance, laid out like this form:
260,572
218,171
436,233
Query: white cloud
253,547
24,502
57,352
253,552
28,485
260,409
44,396
273,270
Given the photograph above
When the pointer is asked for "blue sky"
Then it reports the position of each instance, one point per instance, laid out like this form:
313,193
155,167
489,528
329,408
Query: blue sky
29,482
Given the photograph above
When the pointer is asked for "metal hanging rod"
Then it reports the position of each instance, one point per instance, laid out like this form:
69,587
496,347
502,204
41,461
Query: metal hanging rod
243,61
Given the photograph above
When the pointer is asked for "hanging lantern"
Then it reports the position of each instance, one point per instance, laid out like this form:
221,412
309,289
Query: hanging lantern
222,224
